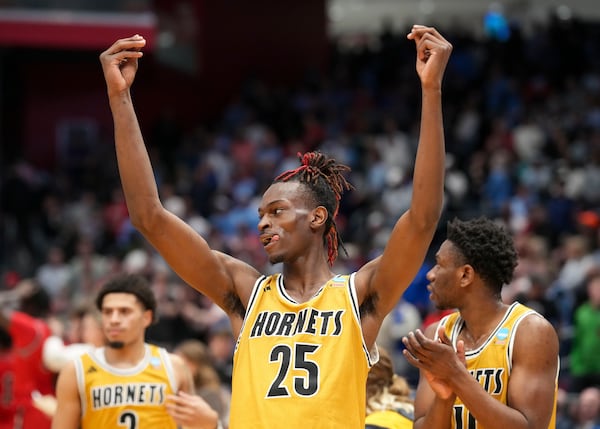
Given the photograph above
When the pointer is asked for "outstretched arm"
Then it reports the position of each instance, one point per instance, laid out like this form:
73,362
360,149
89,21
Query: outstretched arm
389,276
183,249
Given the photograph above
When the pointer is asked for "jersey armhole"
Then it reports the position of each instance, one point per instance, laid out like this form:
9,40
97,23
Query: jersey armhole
250,307
164,356
372,355
80,377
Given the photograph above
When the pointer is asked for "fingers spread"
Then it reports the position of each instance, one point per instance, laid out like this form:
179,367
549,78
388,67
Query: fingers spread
414,343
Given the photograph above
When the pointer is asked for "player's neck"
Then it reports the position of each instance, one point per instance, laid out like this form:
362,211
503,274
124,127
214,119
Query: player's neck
127,356
480,320
302,283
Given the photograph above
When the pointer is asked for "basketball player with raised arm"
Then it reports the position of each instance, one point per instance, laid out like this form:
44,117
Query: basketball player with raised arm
306,336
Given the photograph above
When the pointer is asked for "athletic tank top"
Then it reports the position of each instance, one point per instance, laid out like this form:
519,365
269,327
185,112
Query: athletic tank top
491,363
300,365
128,398
389,419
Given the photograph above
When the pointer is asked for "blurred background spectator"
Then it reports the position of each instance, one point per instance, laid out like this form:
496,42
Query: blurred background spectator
581,411
225,112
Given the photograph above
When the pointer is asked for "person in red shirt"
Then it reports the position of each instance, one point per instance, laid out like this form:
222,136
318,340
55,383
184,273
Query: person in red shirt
31,374
7,382
28,366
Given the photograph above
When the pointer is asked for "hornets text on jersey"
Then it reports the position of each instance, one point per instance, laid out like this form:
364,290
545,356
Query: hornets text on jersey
130,398
294,358
491,363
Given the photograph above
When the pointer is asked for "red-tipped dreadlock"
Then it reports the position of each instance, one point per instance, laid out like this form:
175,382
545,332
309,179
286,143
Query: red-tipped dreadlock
325,178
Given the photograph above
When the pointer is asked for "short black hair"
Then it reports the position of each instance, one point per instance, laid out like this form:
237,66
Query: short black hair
488,247
134,284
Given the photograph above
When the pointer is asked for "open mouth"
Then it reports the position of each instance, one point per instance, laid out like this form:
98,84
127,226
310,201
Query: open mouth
267,239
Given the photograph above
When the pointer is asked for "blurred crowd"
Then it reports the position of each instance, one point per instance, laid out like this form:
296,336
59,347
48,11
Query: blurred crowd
522,120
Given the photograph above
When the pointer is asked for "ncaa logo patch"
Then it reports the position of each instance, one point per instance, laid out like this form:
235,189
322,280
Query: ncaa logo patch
338,281
502,335
155,362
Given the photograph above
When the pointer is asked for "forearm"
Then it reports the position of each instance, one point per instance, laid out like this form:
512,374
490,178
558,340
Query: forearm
438,416
212,423
60,420
56,354
135,169
428,178
489,412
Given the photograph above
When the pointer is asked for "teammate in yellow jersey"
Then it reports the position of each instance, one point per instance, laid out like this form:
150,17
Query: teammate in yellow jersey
490,365
305,335
128,383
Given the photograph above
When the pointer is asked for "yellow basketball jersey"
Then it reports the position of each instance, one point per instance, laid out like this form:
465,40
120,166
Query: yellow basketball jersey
388,419
130,398
300,365
491,363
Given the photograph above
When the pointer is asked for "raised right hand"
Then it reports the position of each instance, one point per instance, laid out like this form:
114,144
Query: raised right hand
433,53
120,63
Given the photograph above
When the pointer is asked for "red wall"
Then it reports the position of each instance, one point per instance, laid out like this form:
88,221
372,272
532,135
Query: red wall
277,41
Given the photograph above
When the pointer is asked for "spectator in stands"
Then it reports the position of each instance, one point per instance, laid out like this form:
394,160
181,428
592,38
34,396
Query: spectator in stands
585,350
583,411
207,381
389,397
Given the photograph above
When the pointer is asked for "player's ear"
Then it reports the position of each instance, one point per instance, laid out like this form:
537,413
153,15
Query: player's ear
148,318
467,275
319,216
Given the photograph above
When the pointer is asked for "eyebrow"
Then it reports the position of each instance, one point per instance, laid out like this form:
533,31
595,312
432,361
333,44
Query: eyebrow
116,307
269,204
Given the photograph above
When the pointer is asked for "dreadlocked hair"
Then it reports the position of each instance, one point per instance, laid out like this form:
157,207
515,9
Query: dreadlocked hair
323,176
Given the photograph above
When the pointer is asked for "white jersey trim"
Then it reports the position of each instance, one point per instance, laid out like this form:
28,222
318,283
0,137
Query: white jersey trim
510,348
164,356
80,376
98,356
249,308
372,355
